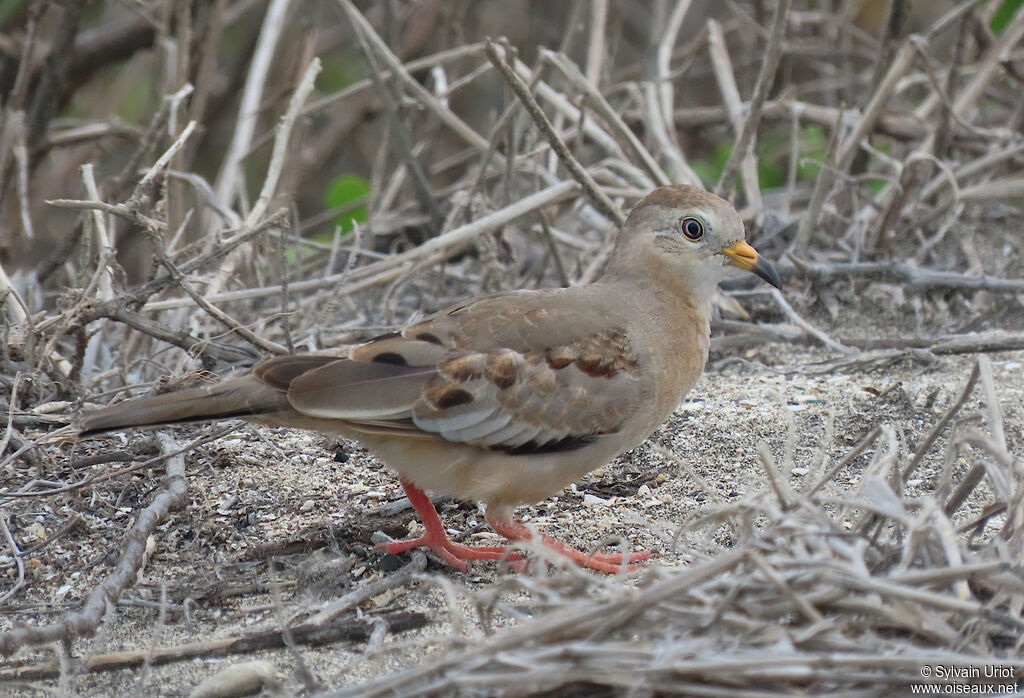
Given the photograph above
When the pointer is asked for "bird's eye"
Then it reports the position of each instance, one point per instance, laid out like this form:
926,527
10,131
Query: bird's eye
693,228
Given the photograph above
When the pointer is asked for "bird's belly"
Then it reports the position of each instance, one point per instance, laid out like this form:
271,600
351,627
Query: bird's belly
495,478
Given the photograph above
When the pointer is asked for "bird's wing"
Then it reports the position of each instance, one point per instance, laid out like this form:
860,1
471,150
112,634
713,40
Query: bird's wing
516,372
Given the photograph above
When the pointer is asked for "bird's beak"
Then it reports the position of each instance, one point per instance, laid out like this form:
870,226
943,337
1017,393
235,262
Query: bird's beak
746,257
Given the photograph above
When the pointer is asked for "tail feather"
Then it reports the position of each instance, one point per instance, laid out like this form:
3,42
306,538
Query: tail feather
240,397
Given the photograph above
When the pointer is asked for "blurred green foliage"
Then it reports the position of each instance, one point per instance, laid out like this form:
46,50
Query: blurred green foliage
7,8
1005,12
344,191
338,72
347,193
772,157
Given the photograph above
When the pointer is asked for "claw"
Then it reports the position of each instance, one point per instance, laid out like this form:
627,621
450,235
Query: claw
608,563
457,555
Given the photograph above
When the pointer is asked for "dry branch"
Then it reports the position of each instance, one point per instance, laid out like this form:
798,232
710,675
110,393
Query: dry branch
598,198
905,273
342,630
819,588
84,622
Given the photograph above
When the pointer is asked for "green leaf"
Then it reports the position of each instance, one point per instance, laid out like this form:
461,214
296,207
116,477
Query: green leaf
347,192
8,8
1004,14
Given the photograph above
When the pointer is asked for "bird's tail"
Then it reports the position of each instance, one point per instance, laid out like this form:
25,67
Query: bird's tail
240,397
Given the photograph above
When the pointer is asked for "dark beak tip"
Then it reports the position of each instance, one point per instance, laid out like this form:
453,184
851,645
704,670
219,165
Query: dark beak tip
766,270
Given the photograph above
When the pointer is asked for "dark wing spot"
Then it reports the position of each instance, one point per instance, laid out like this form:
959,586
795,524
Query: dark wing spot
428,337
382,337
560,357
560,362
390,357
568,443
452,398
278,372
595,366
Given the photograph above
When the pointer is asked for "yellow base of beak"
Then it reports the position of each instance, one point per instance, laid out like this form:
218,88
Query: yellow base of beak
744,256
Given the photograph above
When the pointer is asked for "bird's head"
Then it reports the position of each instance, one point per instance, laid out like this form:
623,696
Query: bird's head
692,231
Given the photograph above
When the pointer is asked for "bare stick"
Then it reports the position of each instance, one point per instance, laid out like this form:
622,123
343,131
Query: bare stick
659,97
344,630
907,274
103,244
746,139
807,327
900,64
437,59
252,96
84,622
434,249
726,79
606,112
573,622
940,426
216,313
140,194
12,403
331,610
775,478
10,299
564,107
432,103
398,129
17,554
596,45
282,140
597,197
21,157
109,475
277,160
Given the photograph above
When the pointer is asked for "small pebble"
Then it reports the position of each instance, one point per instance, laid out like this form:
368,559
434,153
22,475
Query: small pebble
388,563
238,680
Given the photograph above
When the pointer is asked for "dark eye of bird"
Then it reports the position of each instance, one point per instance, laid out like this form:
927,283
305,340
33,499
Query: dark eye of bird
693,228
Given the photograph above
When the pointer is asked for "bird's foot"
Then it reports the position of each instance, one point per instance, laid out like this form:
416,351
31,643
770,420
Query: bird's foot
437,541
514,530
454,554
457,555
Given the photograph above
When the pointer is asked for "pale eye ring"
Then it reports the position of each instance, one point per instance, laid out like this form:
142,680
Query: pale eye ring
693,228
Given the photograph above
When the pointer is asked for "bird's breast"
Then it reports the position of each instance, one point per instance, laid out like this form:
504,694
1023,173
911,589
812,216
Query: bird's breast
677,359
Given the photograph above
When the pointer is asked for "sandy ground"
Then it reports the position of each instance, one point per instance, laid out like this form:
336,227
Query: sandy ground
262,489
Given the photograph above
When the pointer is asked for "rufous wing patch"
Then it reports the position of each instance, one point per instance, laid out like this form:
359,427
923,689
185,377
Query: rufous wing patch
600,355
503,369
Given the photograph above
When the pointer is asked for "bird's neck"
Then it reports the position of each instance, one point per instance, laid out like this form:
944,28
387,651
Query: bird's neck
673,315
674,286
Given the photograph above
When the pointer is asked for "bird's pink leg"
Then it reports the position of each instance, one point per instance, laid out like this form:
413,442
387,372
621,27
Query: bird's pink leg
437,540
514,530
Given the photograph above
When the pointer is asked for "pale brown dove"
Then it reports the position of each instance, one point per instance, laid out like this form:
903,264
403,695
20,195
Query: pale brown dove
507,398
